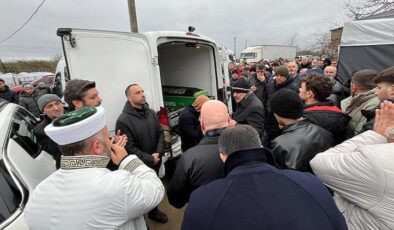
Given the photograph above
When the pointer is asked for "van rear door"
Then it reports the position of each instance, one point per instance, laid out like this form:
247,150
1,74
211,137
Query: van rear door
113,60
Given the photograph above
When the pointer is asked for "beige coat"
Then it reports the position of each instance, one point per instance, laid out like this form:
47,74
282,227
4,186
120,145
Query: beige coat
361,173
352,106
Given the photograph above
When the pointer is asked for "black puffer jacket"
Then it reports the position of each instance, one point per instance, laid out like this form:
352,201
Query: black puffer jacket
47,143
144,133
299,143
329,117
198,166
9,95
189,128
271,124
250,111
29,102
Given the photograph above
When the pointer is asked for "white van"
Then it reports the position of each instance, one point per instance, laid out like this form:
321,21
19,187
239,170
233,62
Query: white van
154,60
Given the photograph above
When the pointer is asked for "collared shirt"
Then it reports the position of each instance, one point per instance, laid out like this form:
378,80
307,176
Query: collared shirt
83,194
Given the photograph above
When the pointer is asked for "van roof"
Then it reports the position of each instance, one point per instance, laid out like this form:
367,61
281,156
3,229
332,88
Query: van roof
179,34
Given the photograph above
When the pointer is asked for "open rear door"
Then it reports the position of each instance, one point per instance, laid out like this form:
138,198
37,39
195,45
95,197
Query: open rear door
113,60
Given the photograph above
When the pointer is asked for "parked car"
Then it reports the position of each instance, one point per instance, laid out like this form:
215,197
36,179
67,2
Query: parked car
48,80
22,164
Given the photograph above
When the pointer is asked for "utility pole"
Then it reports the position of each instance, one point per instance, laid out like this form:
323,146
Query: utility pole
235,47
133,16
246,43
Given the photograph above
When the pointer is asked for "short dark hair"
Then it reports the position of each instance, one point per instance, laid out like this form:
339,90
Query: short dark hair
234,71
126,91
252,68
321,86
2,80
260,66
239,137
386,76
364,79
76,90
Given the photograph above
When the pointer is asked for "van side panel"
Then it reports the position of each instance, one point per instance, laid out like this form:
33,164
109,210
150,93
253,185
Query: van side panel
113,61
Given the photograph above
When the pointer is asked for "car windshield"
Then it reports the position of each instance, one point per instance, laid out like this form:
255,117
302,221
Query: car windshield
248,55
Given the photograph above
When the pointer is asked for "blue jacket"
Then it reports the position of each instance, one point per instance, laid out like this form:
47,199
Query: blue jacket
256,195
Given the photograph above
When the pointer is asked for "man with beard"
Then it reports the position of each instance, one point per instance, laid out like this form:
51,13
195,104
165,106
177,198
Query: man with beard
83,194
145,136
51,106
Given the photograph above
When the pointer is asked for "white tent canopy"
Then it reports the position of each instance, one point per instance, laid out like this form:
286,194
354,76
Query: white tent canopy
368,32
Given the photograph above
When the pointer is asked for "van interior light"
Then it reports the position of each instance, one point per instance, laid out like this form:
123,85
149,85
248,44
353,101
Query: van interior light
193,45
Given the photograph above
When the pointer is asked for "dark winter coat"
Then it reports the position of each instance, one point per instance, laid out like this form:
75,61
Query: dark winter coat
198,166
261,91
329,117
370,115
9,95
338,93
189,128
271,124
47,143
44,90
144,133
299,143
250,111
29,102
256,196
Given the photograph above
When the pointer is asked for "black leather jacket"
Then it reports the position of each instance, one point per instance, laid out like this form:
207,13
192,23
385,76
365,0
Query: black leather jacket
299,143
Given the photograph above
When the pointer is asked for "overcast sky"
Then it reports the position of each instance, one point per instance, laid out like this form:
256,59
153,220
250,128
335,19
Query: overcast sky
251,21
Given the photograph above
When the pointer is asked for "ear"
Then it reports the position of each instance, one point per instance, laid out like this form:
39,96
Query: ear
310,94
96,147
77,103
390,90
202,125
223,157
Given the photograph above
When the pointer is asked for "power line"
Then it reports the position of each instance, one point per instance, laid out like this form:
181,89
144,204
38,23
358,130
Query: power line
27,21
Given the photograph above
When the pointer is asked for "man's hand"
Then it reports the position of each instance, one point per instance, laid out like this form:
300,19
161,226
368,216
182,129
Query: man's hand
253,88
156,158
384,119
261,76
118,135
118,152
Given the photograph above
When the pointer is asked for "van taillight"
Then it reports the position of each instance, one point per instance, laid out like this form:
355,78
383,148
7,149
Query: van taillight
163,116
163,119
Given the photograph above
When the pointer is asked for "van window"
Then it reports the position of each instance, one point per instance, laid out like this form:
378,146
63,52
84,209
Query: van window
22,132
248,55
58,86
66,74
10,195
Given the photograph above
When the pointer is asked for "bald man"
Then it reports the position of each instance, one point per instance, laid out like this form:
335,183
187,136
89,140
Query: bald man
200,164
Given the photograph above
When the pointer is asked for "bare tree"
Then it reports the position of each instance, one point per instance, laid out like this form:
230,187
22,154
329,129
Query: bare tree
321,43
365,8
292,39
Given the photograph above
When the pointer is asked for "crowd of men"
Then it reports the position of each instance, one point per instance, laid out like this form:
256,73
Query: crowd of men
300,150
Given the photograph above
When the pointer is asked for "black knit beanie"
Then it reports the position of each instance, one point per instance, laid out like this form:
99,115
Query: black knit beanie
241,85
287,104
